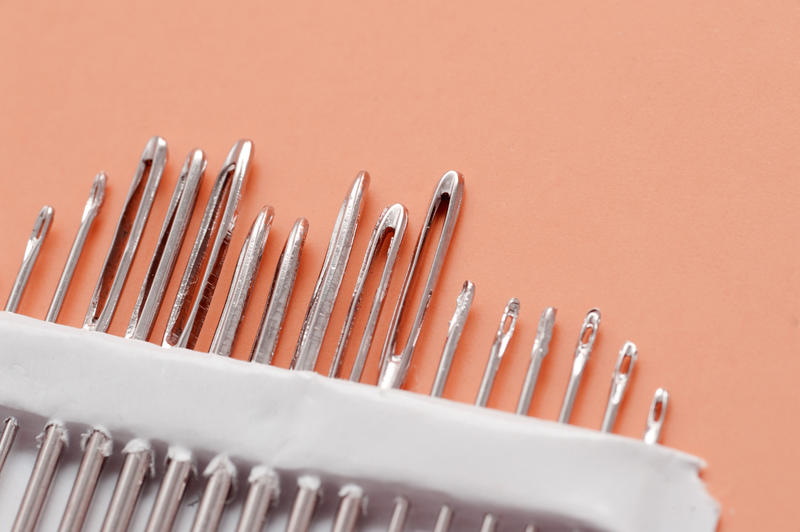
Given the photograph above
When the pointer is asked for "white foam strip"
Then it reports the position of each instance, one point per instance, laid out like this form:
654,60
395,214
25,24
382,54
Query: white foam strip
386,441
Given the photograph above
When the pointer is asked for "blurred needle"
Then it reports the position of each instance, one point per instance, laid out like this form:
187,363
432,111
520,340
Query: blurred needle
541,345
656,415
619,383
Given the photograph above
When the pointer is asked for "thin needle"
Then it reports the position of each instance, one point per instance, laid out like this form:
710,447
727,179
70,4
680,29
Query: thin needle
242,284
32,248
352,505
169,245
391,224
305,500
10,428
96,448
221,475
137,465
170,492
279,294
619,383
126,239
457,323
656,415
504,334
582,352
541,345
330,278
448,195
263,490
210,247
90,210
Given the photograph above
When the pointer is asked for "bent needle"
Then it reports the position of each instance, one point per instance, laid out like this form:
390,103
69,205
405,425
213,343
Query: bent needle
279,294
619,383
582,352
40,227
195,292
391,224
394,366
655,417
242,284
126,239
90,210
169,245
330,278
541,345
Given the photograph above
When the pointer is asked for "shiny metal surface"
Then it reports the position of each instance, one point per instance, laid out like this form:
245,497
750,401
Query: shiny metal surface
505,331
351,506
96,448
127,235
619,383
170,492
137,465
221,476
444,519
201,275
90,210
541,345
40,227
263,490
168,247
305,501
315,324
399,515
392,225
7,437
279,294
394,365
242,284
456,327
583,350
656,416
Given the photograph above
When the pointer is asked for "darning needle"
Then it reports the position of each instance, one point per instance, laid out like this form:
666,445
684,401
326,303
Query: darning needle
170,492
241,284
504,333
32,248
195,293
330,278
619,383
263,490
135,468
53,441
457,323
541,345
582,352
169,245
655,417
391,224
129,231
305,500
279,294
351,506
10,428
96,195
221,475
394,366
97,447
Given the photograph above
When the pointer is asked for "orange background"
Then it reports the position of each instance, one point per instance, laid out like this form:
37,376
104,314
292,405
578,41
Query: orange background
640,157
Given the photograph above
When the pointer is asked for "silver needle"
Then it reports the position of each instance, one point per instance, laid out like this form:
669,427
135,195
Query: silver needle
137,465
305,500
96,195
541,345
10,428
656,415
170,492
263,490
582,351
505,331
619,383
457,323
32,248
352,505
97,448
126,239
221,475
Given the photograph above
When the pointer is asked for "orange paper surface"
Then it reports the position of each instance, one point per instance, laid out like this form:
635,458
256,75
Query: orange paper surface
639,157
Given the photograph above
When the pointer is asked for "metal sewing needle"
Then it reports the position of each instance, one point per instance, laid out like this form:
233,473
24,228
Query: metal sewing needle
40,227
541,345
391,225
394,366
10,428
582,352
456,327
352,505
305,500
53,441
221,475
97,447
263,490
504,333
137,465
90,210
241,284
330,277
619,383
209,249
126,239
170,492
655,417
279,294
169,245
